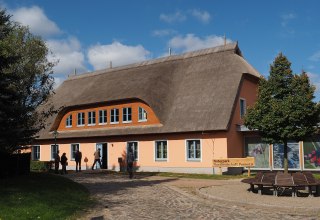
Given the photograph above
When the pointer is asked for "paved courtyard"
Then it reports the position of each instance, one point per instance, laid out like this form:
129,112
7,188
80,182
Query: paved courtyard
151,197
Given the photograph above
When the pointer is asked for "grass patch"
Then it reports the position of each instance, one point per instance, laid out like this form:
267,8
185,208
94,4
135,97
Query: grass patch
42,196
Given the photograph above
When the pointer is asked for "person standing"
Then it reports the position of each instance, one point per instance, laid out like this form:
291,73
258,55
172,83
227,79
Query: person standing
130,160
97,156
78,158
56,162
64,163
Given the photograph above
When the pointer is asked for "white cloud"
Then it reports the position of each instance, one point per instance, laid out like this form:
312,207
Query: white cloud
315,80
203,16
35,18
163,32
176,17
315,57
191,42
286,18
100,55
68,53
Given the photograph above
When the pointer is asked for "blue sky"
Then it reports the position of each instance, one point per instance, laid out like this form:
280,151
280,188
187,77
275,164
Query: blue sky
87,35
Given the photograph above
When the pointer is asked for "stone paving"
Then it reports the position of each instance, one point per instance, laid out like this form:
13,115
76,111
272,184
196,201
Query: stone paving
168,198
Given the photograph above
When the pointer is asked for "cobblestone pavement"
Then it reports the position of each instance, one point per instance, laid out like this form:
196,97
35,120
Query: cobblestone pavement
159,198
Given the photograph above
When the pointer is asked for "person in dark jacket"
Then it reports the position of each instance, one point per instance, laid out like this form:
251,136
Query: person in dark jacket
64,162
78,158
130,160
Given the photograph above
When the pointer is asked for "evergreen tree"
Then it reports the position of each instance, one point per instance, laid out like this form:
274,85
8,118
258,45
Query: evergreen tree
284,110
25,84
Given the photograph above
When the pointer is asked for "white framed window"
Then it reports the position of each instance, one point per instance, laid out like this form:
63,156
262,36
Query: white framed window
92,118
54,150
114,116
69,121
243,107
134,146
143,116
74,148
36,152
81,117
102,116
161,150
126,115
193,150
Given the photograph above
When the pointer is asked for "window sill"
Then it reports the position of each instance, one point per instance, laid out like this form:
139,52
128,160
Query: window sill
126,122
69,126
143,120
91,124
114,123
161,160
193,160
80,125
102,123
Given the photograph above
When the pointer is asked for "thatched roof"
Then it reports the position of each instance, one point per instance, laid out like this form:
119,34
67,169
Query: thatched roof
195,91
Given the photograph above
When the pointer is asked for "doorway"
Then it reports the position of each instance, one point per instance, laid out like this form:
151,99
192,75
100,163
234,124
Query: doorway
104,155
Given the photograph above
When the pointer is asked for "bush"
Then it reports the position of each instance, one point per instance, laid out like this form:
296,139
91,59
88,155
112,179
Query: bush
38,166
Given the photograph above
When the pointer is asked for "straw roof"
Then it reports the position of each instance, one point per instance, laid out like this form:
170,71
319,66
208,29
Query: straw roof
195,91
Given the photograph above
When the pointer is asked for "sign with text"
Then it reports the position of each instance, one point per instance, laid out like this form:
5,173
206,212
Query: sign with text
233,162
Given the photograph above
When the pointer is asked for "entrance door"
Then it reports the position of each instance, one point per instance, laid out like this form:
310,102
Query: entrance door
104,155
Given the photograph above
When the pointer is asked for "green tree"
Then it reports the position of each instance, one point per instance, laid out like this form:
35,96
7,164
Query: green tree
26,82
285,109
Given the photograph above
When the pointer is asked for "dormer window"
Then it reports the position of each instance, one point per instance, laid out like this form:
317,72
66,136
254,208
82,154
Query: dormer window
81,119
142,114
114,116
69,121
102,116
92,118
126,115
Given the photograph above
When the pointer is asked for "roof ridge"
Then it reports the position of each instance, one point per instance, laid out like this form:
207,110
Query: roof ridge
187,55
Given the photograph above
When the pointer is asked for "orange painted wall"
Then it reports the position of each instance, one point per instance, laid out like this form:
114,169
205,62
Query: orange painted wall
248,92
151,117
213,145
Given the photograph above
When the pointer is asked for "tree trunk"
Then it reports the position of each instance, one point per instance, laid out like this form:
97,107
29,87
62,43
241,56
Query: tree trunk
285,156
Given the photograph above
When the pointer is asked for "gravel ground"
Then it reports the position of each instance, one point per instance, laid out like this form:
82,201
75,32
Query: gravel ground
169,198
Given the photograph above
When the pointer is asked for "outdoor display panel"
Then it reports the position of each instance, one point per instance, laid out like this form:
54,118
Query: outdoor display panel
260,151
293,156
311,155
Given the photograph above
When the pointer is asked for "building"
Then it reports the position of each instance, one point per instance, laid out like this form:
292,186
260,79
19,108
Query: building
177,112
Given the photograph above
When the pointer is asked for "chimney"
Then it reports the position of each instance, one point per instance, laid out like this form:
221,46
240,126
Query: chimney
110,65
75,71
169,51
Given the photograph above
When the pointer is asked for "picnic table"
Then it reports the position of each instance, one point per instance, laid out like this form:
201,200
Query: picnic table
279,182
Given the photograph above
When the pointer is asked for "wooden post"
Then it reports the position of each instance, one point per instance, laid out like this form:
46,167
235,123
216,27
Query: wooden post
249,172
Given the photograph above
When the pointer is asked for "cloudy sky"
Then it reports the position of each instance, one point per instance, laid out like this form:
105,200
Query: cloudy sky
86,35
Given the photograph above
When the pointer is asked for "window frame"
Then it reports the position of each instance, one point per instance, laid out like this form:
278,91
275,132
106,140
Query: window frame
126,115
69,121
73,151
144,117
36,154
103,116
195,159
91,118
243,107
82,118
53,154
135,151
114,116
155,151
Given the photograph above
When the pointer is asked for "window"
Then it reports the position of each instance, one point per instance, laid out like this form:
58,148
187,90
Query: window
91,118
142,114
126,115
81,119
161,150
193,150
35,152
102,116
242,107
74,148
69,121
114,116
134,147
54,151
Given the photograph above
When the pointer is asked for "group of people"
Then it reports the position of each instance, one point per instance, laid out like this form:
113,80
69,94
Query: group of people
64,162
78,157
